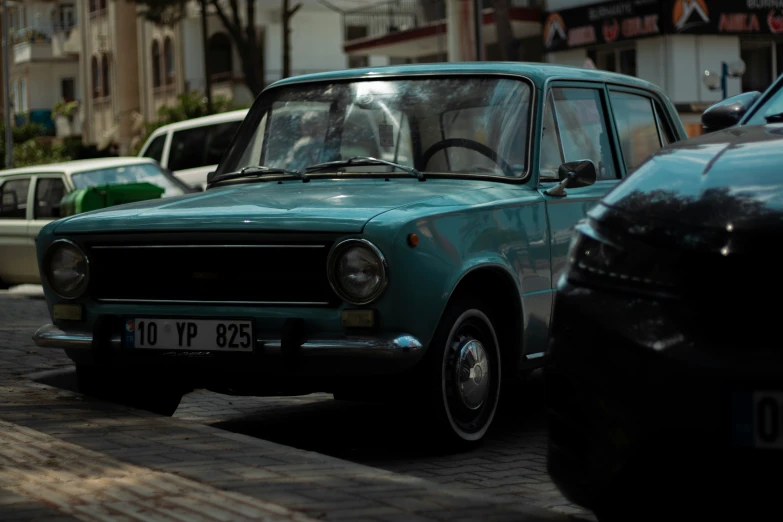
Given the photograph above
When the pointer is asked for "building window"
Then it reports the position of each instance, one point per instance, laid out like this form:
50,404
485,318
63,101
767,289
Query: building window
155,63
763,63
220,57
97,5
68,89
168,55
620,60
96,78
105,74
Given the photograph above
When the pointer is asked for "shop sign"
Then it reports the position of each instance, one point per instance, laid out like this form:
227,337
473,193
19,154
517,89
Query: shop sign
726,16
610,22
601,23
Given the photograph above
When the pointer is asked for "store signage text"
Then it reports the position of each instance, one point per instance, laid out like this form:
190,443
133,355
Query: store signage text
629,19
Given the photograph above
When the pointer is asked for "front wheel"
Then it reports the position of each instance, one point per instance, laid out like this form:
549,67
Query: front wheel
144,392
464,372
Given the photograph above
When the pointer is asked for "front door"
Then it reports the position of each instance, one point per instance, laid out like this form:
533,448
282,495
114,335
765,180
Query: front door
576,127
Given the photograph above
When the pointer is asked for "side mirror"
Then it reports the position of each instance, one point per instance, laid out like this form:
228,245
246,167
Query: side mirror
728,112
574,174
210,177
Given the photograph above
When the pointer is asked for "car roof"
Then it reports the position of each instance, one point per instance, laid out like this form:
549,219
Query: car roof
71,167
538,72
212,119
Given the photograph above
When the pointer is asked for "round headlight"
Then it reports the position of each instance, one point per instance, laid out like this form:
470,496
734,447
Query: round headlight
67,269
357,271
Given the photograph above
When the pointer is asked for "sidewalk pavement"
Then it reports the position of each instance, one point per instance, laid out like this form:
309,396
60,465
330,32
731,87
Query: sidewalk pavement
64,456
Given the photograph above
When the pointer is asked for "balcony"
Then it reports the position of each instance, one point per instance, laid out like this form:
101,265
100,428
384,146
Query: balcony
32,44
417,28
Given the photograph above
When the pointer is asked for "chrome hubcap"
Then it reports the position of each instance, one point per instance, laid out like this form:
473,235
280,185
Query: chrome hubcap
472,373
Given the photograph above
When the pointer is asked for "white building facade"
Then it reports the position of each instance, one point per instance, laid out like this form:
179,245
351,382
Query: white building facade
671,43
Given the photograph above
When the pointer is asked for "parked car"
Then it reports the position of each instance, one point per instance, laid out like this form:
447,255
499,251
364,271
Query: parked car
193,148
30,198
423,277
665,384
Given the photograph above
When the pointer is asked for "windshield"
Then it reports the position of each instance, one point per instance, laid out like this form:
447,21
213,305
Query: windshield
143,172
774,105
465,125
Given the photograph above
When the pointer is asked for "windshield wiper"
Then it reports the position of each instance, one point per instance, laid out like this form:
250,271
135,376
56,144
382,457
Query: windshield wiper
256,170
774,118
359,161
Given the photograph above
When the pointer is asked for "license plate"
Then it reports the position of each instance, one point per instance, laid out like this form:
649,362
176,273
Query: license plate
758,419
214,335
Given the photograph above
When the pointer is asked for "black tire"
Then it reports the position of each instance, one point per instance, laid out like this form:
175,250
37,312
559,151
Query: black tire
134,389
465,337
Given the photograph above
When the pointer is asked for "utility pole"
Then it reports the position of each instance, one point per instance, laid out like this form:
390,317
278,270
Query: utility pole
9,132
207,79
478,22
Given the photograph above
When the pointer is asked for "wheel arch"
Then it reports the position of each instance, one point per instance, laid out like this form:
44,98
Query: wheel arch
495,285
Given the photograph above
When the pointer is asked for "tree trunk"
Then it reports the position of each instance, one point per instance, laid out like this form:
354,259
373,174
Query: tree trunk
506,44
288,13
254,76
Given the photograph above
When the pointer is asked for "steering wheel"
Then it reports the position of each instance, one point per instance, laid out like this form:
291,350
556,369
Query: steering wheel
467,144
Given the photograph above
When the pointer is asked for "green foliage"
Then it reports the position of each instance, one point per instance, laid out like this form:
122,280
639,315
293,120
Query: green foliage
34,152
31,147
64,108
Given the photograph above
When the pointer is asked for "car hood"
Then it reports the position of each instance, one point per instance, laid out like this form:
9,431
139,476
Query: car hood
343,206
731,178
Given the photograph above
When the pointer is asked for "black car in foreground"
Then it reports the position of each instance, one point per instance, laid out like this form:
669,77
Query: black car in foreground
665,390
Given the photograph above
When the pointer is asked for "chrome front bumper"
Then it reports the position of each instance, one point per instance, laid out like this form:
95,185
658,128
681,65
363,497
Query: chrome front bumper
390,346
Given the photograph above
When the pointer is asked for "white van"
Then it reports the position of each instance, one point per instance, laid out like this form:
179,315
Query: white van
193,148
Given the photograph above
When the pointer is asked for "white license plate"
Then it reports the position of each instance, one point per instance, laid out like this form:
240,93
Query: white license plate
758,419
214,335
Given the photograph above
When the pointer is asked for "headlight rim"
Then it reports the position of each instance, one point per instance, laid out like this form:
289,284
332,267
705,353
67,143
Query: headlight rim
331,268
48,274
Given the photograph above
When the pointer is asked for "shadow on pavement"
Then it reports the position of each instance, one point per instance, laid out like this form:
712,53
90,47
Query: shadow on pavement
367,432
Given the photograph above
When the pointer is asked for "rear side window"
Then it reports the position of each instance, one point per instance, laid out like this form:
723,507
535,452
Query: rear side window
13,199
201,146
48,193
636,126
155,150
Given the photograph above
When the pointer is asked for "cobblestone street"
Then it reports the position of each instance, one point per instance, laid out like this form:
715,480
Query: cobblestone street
510,467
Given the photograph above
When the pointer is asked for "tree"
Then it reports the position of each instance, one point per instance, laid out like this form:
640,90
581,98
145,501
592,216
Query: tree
288,13
242,33
506,44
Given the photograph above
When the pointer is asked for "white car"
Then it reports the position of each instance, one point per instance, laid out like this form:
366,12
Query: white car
30,198
193,148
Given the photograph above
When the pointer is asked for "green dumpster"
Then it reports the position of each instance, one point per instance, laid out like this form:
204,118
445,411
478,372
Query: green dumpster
93,198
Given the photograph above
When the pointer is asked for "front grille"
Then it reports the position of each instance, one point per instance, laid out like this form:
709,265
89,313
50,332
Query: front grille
279,274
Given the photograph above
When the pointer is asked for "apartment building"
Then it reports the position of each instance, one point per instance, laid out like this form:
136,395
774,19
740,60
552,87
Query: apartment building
44,59
120,69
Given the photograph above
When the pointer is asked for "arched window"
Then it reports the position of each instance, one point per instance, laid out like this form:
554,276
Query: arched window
96,78
155,63
105,74
220,57
168,57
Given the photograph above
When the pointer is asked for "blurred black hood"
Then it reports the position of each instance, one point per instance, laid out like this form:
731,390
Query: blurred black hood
730,179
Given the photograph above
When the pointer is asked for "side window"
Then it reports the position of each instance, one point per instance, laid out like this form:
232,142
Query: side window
581,123
218,141
187,148
155,150
551,156
13,199
48,193
636,126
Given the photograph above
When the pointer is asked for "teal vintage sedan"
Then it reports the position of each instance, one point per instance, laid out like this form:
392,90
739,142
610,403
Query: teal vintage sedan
387,233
